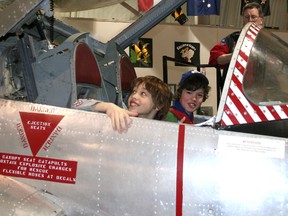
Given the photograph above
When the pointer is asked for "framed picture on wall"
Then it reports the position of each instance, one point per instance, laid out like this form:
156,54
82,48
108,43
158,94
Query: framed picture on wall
141,53
172,88
188,52
173,91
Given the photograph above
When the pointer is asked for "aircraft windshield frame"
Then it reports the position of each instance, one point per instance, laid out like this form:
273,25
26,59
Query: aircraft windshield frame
266,76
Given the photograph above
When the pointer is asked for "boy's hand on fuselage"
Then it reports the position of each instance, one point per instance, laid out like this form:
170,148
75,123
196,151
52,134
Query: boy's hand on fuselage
183,120
120,118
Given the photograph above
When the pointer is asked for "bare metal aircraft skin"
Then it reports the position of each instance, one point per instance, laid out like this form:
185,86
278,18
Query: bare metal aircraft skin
78,165
60,161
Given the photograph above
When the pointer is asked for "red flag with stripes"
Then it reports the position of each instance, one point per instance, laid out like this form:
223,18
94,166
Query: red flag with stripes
145,5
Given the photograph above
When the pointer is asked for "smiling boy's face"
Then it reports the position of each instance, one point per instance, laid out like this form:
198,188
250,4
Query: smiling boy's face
191,100
141,101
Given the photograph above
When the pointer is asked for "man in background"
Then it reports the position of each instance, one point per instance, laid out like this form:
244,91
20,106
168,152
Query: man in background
221,53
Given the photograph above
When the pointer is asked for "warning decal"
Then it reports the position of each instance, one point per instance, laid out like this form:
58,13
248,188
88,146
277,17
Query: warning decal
40,168
38,127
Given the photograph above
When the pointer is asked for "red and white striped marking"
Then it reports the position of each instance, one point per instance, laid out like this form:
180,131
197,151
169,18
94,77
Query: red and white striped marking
238,109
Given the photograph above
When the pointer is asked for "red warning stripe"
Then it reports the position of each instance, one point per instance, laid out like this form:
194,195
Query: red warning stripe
242,109
231,116
245,57
179,176
240,68
273,112
254,29
249,37
284,108
259,112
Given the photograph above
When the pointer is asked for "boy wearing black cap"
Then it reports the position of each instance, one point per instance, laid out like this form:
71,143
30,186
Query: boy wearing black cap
192,92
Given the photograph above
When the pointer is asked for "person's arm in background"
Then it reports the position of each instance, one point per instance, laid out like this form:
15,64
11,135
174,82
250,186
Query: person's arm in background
120,118
219,54
222,52
224,59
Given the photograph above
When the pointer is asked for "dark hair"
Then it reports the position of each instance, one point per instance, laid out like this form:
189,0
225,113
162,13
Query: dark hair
192,83
252,5
160,92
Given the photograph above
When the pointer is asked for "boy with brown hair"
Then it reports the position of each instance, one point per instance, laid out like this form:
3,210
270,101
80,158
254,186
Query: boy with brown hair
150,99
